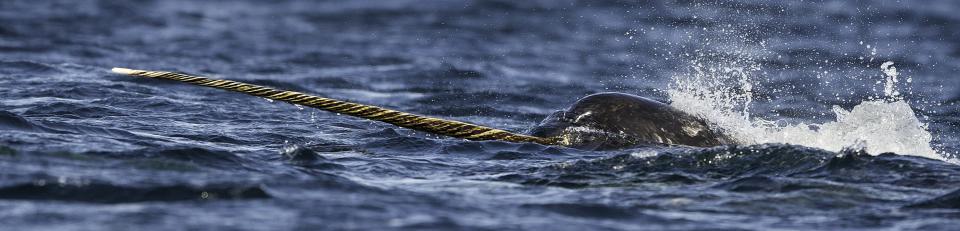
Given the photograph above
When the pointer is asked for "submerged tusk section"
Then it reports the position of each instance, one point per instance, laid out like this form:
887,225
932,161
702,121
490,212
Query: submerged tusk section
437,126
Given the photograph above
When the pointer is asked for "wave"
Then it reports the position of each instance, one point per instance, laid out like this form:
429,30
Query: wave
753,168
9,120
947,201
99,192
20,67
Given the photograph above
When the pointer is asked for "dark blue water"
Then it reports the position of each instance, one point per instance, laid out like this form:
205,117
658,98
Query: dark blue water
84,149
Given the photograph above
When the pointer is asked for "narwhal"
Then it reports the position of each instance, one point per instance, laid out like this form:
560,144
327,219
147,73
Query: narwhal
598,121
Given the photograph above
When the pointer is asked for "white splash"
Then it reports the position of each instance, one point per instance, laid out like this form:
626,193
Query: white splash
891,75
723,96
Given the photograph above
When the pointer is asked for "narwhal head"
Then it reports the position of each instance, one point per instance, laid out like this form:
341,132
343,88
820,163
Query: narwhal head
617,120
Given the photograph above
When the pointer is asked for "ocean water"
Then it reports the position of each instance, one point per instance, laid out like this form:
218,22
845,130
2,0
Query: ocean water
845,112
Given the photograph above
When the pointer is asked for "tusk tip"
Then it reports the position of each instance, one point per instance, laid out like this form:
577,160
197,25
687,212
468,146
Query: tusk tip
125,71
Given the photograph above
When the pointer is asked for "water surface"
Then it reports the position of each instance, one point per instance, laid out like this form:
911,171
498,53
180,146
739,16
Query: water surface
830,140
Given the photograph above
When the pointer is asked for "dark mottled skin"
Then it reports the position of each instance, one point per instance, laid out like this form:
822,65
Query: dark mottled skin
618,120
